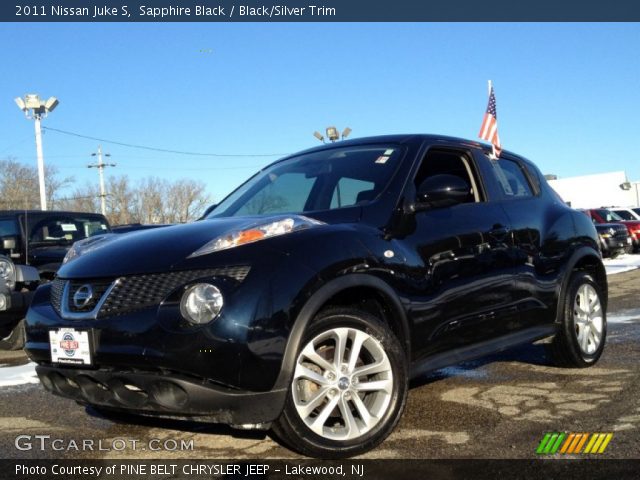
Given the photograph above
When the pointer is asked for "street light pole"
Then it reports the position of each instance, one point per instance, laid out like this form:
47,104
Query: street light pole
43,196
101,166
37,109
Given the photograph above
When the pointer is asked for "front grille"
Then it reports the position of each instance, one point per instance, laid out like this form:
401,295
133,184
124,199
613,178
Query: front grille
57,287
142,291
134,292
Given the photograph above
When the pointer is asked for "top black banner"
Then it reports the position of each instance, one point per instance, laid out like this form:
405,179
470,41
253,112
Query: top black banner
323,11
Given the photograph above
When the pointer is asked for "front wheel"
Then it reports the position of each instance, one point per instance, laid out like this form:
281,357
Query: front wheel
581,336
15,340
349,386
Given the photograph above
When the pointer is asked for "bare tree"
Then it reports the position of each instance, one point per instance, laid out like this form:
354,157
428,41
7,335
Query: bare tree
19,187
150,200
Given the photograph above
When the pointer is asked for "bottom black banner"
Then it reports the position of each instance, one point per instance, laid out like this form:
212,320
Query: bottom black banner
320,469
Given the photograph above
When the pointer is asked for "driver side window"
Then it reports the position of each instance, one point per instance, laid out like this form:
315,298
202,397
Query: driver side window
450,162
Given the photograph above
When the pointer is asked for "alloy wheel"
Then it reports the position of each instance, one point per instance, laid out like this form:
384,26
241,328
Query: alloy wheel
588,318
342,383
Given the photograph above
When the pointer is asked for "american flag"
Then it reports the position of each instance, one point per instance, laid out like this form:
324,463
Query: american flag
489,128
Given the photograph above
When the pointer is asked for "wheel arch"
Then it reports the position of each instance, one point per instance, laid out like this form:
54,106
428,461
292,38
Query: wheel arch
588,260
362,290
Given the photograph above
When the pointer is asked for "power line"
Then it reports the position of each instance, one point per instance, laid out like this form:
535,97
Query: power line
178,152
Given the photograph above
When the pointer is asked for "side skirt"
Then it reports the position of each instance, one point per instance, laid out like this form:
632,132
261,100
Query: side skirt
482,349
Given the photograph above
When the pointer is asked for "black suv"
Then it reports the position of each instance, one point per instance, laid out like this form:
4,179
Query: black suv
33,244
308,298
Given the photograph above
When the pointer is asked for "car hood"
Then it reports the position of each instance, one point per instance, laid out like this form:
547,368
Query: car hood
634,224
155,250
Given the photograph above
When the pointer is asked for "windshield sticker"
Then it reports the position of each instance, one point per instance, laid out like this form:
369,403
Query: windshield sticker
388,152
382,159
68,227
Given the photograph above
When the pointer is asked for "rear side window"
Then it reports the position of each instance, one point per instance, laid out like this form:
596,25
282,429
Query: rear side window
512,179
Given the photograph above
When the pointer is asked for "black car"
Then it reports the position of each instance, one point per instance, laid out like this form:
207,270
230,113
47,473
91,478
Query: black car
312,294
33,244
614,239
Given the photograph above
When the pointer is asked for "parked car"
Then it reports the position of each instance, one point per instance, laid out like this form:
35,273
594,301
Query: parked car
603,215
627,213
309,297
33,244
614,239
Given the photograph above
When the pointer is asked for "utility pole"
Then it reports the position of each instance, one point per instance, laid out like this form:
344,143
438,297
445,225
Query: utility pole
37,109
101,166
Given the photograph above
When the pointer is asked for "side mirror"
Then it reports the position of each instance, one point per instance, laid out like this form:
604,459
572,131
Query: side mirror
8,243
207,211
441,191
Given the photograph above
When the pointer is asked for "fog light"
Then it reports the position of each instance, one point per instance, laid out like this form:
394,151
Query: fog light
3,301
201,303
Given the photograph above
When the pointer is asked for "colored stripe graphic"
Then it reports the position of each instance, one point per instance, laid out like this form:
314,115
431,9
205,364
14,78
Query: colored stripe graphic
606,441
570,443
567,442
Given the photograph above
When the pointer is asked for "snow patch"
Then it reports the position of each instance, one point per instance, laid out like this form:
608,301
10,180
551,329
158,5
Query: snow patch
20,375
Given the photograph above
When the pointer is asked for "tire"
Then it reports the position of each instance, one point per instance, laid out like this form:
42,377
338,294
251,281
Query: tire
578,344
15,340
362,417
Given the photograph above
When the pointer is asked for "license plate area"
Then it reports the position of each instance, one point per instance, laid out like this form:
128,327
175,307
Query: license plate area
70,346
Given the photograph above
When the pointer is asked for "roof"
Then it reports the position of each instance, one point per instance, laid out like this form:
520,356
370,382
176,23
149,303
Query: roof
403,139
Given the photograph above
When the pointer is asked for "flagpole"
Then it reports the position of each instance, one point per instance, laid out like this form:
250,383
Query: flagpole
489,87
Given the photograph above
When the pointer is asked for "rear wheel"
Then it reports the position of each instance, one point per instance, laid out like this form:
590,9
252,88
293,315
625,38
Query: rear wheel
348,389
581,337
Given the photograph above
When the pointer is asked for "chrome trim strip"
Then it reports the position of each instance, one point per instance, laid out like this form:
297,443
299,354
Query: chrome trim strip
93,314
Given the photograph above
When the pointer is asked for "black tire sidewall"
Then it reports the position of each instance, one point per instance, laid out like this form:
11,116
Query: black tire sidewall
15,341
308,442
576,354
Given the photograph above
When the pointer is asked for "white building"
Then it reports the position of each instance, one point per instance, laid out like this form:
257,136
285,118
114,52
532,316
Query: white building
599,190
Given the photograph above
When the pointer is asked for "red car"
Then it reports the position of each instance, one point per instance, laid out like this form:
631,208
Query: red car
603,215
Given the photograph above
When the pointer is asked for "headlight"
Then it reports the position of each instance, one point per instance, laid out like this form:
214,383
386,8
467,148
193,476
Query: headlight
257,232
86,245
201,303
8,272
605,235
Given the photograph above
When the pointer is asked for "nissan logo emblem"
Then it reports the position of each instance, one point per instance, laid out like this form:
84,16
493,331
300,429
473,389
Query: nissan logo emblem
83,296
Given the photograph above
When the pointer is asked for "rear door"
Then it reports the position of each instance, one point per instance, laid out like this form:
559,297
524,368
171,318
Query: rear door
527,210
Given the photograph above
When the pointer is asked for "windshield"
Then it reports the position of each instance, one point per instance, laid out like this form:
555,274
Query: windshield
608,215
8,228
323,180
64,229
625,214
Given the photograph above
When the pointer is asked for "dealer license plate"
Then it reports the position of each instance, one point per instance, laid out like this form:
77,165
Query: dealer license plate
70,346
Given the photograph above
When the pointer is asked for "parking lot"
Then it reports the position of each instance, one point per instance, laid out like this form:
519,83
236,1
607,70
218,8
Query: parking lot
498,407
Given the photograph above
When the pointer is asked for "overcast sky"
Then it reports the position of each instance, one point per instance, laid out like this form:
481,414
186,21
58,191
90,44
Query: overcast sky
568,95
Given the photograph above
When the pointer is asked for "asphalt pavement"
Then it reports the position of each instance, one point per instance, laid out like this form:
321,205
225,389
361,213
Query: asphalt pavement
498,407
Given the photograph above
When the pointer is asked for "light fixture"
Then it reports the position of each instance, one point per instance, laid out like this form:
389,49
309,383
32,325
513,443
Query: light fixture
346,132
319,136
332,134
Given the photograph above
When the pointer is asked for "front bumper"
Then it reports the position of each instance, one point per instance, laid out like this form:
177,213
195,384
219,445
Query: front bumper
162,394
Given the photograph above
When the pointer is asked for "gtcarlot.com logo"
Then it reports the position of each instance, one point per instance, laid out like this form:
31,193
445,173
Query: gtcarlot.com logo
572,443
